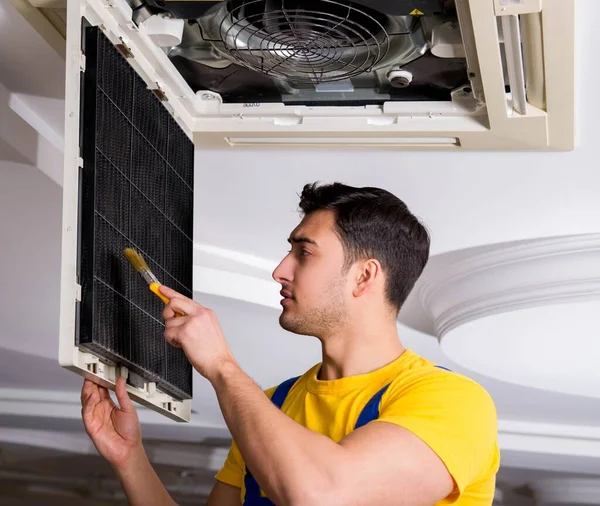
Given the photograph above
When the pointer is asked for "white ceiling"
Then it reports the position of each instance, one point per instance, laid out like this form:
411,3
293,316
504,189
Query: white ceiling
245,206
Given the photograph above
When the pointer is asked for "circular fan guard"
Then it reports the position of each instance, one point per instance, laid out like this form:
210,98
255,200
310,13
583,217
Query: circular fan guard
322,41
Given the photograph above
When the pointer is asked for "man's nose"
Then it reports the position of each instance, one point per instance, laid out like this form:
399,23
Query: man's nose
283,272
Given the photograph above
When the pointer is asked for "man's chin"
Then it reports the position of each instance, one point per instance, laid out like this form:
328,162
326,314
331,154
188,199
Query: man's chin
285,322
292,325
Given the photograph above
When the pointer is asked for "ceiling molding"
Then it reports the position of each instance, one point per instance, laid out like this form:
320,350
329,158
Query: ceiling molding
567,490
192,458
204,253
63,408
532,274
27,133
56,406
45,115
100,487
236,286
51,27
550,439
50,440
18,141
235,275
159,452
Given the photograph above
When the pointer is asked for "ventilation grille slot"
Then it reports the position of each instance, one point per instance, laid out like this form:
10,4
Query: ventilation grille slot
523,58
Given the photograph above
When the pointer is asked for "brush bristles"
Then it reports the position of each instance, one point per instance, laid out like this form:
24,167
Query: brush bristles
136,260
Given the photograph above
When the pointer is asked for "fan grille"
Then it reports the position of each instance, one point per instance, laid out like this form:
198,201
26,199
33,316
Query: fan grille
304,42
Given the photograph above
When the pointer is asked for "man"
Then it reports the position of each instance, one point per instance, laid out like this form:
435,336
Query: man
373,424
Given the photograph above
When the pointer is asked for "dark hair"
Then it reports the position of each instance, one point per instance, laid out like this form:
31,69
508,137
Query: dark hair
373,223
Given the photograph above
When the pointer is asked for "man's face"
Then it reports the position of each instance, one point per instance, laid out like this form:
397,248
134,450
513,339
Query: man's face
314,286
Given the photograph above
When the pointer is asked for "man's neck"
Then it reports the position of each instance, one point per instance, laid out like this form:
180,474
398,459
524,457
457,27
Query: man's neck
359,351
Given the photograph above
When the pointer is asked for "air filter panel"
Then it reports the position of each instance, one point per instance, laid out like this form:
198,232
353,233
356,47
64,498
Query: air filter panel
135,191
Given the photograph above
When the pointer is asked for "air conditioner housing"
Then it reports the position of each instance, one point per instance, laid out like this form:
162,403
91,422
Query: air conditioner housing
448,74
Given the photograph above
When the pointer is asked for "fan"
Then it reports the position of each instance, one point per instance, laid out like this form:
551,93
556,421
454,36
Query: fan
315,51
303,41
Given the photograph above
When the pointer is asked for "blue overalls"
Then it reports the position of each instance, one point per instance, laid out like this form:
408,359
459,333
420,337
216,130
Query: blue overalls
369,413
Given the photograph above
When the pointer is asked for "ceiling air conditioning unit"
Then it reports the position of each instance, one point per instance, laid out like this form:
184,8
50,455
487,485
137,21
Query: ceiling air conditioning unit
148,81
407,74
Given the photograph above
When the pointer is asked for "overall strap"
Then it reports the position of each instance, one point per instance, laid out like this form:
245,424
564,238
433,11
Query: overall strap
252,496
281,392
371,411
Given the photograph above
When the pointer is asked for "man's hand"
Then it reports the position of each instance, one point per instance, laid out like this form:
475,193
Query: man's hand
117,435
195,328
114,430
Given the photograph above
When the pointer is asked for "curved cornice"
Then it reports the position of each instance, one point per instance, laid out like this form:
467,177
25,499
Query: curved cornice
532,274
536,273
547,271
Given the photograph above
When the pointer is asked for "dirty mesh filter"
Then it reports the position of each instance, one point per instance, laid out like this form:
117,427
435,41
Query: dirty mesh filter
136,191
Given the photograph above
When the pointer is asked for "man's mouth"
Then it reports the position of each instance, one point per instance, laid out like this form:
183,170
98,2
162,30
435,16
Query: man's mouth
287,297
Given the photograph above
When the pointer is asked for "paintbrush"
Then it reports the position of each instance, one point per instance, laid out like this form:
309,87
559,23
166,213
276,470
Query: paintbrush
140,265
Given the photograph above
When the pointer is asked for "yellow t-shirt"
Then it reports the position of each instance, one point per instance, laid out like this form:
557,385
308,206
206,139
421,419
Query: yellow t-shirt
451,413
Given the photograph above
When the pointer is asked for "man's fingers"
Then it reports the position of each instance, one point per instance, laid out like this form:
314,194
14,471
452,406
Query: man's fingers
103,393
171,337
123,397
169,292
179,305
90,397
172,340
88,390
93,394
171,323
105,396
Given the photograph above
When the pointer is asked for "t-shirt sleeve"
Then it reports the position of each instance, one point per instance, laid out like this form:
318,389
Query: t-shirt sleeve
234,468
232,471
454,416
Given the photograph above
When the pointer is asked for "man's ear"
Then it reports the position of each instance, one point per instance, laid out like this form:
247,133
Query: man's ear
368,274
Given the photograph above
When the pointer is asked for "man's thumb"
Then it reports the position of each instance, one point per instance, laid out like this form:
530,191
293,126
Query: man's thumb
123,397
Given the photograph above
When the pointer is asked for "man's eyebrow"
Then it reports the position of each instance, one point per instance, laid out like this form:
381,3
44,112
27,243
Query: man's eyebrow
298,239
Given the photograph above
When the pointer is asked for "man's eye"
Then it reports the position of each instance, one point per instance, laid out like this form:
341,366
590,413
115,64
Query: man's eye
304,252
